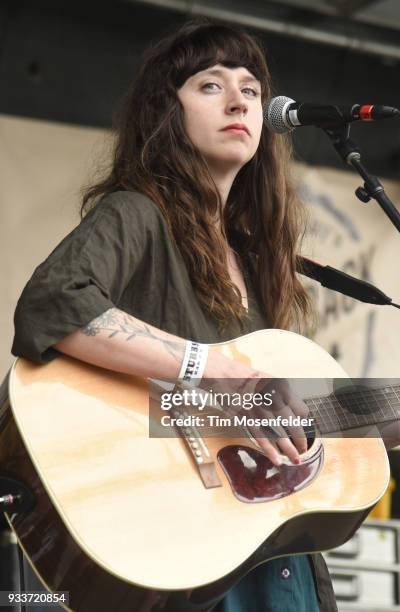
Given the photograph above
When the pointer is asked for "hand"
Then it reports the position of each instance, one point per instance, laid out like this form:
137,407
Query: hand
245,379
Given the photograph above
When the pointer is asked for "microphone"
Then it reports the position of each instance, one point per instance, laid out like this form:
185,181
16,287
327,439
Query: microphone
283,114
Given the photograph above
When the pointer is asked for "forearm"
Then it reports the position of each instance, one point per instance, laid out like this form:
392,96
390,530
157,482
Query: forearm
118,341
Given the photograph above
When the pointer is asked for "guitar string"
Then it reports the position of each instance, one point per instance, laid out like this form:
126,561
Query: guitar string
331,415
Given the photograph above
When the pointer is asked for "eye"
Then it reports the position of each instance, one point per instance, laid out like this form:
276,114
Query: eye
210,86
254,92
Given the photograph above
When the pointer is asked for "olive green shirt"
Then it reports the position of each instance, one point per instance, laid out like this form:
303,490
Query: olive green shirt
121,255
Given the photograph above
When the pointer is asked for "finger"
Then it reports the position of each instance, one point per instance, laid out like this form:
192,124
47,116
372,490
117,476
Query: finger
270,447
247,392
298,406
282,413
289,449
296,432
300,443
284,391
249,385
269,450
284,443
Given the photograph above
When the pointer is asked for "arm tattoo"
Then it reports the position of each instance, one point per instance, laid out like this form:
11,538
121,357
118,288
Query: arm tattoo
118,322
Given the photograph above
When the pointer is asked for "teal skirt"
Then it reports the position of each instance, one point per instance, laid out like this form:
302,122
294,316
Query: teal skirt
281,585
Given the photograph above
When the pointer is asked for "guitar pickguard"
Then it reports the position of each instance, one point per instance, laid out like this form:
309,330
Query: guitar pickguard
254,478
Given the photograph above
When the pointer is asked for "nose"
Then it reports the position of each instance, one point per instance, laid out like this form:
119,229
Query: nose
237,103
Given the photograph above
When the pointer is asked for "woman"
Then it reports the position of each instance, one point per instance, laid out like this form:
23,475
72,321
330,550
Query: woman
191,237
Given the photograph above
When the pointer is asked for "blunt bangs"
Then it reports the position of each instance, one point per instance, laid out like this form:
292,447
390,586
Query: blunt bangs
203,46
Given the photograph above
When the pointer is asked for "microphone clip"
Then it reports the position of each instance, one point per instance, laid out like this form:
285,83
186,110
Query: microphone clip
340,138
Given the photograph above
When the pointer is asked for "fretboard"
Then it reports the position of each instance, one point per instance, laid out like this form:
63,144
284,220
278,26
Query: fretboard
356,407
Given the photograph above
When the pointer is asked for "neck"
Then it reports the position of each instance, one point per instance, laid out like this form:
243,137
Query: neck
223,181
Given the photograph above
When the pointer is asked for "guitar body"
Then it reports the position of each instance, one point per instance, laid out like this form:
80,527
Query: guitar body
123,521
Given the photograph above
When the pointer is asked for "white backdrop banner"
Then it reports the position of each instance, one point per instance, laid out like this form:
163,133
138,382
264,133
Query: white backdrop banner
359,239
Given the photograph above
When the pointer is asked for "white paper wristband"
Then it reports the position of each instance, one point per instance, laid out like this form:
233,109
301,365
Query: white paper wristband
194,363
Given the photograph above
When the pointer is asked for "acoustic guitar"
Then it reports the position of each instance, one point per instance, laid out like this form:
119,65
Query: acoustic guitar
128,522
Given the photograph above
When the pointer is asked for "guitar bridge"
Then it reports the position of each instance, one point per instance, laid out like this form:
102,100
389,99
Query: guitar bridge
200,453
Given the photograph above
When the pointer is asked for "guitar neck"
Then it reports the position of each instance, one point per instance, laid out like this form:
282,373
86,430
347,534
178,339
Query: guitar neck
355,407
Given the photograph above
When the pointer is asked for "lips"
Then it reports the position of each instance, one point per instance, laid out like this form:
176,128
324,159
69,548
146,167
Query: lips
237,127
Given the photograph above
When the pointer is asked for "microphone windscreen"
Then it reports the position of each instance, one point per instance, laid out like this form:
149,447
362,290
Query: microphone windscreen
275,113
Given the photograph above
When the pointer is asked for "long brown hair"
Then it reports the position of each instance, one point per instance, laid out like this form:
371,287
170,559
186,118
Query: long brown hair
153,155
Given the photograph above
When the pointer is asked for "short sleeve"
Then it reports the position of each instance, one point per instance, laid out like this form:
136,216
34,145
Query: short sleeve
85,275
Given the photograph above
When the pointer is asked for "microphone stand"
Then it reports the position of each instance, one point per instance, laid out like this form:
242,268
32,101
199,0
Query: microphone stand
372,189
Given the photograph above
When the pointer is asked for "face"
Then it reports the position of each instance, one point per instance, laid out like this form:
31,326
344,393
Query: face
223,115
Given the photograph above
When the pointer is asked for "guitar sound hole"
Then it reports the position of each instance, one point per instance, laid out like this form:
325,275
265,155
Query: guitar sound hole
310,433
254,478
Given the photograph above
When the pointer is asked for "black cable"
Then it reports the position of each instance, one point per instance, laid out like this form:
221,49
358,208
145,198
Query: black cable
21,575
